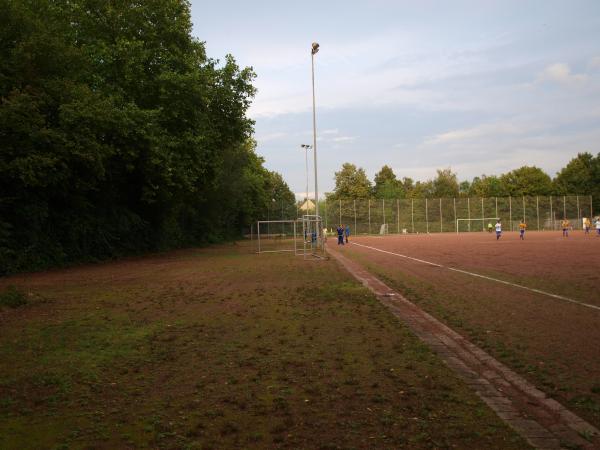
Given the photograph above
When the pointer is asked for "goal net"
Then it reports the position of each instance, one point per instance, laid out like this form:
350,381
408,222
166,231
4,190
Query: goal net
276,236
313,236
304,236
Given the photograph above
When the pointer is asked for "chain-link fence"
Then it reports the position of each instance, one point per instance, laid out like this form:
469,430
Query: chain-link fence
374,216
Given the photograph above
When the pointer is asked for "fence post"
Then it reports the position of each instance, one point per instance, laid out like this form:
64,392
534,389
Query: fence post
412,213
537,211
340,222
441,221
482,216
469,213
258,234
551,215
564,206
578,214
355,229
510,211
369,216
524,215
383,209
426,216
455,222
496,208
398,214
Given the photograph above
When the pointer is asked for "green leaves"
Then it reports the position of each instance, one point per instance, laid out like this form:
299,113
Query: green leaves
351,182
118,134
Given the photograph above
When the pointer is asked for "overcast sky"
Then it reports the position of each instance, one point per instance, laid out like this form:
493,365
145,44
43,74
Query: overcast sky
481,87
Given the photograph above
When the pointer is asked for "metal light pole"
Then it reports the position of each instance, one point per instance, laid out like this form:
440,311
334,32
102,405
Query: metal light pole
306,147
314,50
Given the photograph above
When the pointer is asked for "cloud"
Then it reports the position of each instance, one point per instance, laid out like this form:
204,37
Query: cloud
344,139
331,136
561,73
271,137
488,130
595,62
302,195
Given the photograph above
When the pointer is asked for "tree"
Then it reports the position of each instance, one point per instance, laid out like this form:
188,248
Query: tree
351,183
386,184
408,186
464,188
577,177
118,134
423,189
526,181
445,184
487,186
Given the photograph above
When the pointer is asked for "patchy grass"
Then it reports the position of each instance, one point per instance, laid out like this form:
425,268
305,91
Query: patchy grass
220,348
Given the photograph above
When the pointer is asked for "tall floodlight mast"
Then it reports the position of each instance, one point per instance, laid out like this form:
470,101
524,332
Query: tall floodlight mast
306,147
314,50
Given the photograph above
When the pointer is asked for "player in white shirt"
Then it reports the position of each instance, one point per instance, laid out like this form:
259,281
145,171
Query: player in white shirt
498,230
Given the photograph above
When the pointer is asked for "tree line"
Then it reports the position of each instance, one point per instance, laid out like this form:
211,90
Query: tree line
119,135
581,176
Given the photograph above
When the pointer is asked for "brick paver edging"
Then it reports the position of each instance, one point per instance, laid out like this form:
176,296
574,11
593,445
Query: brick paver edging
541,420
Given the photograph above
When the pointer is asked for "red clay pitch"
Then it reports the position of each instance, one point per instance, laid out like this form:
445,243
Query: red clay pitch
544,260
552,342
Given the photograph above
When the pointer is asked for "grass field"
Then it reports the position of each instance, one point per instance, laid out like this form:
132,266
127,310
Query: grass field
221,348
552,342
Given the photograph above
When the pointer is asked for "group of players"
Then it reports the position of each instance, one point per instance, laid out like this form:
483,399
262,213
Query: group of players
565,225
343,231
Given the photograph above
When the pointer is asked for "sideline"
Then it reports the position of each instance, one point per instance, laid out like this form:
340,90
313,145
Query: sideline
537,291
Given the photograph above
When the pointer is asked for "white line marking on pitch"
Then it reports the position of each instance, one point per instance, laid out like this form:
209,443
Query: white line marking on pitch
560,297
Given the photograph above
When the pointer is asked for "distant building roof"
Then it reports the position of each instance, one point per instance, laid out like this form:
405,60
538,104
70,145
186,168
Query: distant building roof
307,205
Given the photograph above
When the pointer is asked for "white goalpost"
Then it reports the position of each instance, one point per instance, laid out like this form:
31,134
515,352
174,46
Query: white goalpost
274,236
314,236
483,221
303,236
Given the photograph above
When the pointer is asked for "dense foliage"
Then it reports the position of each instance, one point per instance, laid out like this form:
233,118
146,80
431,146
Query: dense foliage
118,134
581,176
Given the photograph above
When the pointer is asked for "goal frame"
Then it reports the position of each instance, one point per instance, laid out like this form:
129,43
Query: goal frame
260,250
315,245
472,219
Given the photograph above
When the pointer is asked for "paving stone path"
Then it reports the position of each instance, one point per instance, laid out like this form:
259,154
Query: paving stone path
541,420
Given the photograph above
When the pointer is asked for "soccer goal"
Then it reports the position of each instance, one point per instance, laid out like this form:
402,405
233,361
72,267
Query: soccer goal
304,236
477,224
384,229
274,236
313,236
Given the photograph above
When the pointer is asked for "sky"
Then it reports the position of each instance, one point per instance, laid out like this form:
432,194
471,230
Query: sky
481,87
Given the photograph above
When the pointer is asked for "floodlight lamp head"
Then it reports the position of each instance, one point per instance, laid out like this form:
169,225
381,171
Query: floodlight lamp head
315,47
